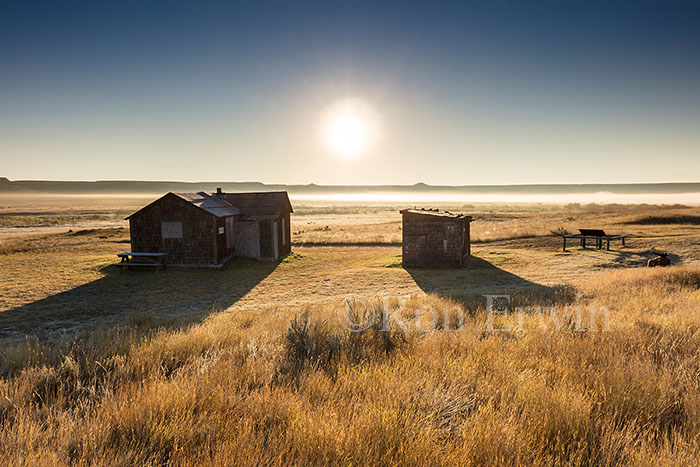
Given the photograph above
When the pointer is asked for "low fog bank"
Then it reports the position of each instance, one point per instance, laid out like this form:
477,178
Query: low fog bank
688,199
420,193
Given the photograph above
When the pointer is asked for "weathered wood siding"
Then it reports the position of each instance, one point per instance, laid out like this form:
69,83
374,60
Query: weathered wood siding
197,247
285,240
266,247
433,242
223,251
255,239
247,239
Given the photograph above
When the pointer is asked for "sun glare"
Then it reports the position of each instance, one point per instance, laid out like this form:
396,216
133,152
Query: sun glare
349,127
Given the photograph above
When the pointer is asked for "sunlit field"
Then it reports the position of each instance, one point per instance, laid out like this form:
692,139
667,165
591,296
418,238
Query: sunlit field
256,363
349,234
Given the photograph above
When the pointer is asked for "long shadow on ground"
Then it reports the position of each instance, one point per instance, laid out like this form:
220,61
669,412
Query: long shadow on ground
172,298
479,277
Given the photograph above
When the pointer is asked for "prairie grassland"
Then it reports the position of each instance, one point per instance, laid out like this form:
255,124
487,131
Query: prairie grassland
61,285
252,365
270,386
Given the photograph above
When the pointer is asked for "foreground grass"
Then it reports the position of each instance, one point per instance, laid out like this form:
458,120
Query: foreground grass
270,386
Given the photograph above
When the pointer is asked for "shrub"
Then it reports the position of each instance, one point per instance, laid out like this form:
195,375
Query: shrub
559,232
317,345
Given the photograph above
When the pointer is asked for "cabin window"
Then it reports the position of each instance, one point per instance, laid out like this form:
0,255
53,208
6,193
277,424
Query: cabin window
171,229
221,230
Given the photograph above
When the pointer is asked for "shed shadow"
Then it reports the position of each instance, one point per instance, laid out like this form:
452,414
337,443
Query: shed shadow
169,299
478,278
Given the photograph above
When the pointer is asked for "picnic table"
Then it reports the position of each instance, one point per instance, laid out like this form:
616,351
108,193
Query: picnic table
598,236
131,259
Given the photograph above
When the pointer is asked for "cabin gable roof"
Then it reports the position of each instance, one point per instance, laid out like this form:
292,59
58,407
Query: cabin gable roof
211,204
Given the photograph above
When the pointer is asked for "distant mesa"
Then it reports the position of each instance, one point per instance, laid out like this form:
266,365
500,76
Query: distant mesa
8,186
160,187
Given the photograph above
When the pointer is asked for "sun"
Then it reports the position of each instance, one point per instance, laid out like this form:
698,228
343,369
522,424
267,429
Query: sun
349,127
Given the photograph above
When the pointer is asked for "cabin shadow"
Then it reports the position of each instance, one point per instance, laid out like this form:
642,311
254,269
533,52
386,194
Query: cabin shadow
477,278
168,299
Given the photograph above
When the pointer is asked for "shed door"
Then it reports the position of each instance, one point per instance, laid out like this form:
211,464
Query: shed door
247,239
275,240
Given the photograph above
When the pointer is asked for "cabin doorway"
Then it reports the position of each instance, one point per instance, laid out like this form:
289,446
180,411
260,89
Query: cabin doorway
275,241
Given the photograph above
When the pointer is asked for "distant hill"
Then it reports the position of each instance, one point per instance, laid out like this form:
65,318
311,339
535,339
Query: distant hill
156,187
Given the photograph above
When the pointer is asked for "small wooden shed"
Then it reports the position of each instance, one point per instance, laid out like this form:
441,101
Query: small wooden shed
434,238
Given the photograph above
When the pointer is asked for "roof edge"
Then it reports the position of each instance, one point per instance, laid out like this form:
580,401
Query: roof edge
436,213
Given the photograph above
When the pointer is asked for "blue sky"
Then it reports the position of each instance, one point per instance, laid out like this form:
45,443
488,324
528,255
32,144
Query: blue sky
482,93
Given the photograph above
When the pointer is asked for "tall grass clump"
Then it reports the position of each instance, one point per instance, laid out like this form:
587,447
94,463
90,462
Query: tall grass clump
366,334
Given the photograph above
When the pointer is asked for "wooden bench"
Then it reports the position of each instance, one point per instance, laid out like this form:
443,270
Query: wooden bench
131,259
598,236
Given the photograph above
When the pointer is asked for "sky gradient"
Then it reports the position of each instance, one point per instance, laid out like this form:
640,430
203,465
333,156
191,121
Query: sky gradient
483,93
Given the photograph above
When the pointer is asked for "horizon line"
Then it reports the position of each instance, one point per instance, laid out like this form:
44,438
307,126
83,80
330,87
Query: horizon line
6,180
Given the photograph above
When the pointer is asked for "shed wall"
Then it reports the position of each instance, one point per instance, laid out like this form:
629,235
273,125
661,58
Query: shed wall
433,242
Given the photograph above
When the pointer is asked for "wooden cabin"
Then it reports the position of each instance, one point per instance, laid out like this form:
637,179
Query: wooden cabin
434,238
204,229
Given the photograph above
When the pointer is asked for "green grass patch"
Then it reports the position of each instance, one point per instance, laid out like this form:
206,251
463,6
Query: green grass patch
388,261
497,258
293,258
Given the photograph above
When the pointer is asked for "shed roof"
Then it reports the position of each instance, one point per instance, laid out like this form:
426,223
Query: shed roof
446,215
259,204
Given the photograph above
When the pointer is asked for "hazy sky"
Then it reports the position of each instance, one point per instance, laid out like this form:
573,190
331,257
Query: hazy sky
487,93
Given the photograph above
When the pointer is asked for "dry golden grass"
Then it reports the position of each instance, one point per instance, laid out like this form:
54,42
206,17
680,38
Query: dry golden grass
271,377
248,388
